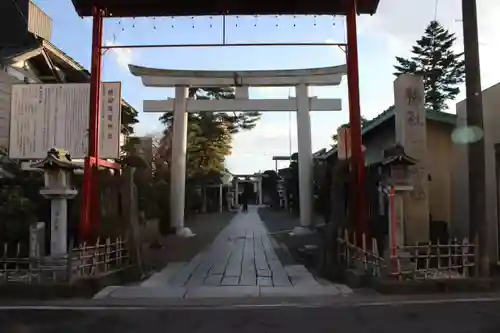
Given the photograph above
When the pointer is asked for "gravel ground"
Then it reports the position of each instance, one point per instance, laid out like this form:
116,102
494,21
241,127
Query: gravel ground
279,223
175,249
277,220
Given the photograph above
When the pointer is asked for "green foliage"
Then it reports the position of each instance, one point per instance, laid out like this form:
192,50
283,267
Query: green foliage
270,186
335,136
128,150
442,69
209,142
130,156
128,119
20,200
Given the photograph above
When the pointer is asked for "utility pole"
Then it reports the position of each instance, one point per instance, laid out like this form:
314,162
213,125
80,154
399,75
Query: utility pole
477,179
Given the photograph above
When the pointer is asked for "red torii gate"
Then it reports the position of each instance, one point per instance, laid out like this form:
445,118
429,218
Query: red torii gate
99,9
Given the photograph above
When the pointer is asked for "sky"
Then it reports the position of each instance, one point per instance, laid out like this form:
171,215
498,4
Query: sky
389,33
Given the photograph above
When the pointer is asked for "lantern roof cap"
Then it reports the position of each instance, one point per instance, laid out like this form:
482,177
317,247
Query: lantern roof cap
57,158
396,156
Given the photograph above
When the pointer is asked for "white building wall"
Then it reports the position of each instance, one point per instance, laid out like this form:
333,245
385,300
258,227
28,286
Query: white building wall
460,174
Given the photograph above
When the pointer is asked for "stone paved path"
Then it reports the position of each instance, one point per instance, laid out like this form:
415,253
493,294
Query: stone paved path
241,262
241,255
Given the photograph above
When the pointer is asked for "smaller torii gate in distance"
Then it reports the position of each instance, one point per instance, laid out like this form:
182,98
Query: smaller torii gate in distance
280,158
181,80
250,178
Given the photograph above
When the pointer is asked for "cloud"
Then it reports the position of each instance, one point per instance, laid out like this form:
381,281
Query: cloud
123,56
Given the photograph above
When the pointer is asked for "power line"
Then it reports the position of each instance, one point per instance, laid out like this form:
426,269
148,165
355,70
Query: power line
290,128
436,8
20,11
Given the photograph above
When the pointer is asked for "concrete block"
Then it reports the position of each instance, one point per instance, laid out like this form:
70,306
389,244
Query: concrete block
230,281
300,276
180,278
222,292
265,281
248,280
162,277
298,291
148,292
106,292
199,275
344,290
213,279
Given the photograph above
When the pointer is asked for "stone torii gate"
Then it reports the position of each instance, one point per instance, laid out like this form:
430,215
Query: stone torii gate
181,80
253,179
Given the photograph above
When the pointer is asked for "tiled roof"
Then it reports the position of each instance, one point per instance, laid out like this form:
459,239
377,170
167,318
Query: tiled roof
371,125
389,113
34,43
9,52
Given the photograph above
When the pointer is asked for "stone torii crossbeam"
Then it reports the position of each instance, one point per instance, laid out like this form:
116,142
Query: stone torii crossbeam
181,80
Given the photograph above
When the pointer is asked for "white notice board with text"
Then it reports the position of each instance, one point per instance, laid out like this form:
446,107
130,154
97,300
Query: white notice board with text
44,116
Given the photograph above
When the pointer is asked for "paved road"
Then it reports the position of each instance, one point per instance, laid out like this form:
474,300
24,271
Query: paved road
429,317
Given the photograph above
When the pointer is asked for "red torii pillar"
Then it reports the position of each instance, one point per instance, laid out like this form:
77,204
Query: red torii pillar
90,211
358,208
90,191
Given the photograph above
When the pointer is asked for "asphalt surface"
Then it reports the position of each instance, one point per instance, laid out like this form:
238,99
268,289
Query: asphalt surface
457,316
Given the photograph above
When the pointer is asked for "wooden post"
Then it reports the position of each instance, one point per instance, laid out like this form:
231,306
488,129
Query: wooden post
95,257
131,217
107,249
365,261
5,267
474,104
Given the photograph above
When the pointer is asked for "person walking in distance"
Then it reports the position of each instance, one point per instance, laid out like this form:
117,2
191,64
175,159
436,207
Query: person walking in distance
244,200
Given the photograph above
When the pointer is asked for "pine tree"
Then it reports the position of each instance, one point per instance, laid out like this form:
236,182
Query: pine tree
443,70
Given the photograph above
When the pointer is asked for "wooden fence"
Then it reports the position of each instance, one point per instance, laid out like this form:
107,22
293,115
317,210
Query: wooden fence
453,260
84,261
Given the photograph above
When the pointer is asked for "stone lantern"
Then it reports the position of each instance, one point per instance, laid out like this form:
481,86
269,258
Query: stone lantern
394,168
395,181
58,169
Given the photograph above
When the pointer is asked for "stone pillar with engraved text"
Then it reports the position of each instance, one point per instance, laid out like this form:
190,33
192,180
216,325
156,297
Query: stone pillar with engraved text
411,133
